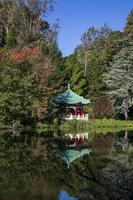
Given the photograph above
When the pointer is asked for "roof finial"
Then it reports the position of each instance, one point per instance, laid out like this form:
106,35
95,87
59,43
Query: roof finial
69,85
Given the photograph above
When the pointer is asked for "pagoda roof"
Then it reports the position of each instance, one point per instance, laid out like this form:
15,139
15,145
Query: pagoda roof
70,97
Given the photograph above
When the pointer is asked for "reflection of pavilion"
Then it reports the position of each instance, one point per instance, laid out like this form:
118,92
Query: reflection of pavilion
76,140
71,105
69,155
74,147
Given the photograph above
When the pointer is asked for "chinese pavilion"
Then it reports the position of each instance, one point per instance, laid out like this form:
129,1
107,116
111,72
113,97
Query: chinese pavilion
71,105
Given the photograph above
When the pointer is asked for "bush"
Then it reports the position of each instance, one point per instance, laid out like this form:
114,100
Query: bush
103,108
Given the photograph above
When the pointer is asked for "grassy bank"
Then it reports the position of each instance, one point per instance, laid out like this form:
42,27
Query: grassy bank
103,125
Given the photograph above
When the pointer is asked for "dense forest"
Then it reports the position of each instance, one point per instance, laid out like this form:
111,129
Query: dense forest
33,70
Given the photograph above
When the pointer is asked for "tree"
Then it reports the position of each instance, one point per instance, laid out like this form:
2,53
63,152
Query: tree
119,80
90,56
95,35
113,44
73,73
7,18
24,91
53,53
129,24
26,18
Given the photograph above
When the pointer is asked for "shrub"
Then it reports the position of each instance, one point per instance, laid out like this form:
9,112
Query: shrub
103,108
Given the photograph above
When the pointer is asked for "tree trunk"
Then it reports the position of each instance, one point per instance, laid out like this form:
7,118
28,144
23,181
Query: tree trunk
126,115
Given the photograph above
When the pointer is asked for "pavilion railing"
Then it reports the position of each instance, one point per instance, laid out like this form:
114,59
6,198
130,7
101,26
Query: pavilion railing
77,117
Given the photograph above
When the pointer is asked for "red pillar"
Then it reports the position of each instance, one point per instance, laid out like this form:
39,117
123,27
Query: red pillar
82,112
75,110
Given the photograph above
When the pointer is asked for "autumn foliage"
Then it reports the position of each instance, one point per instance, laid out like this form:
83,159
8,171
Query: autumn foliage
103,108
42,66
25,53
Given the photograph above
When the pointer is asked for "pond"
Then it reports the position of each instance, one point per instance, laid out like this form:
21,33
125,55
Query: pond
59,166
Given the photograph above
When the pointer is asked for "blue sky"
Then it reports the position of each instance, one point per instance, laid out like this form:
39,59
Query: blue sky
77,15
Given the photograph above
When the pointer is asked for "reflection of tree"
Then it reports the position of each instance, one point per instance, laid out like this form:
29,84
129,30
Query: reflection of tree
102,144
122,142
119,181
119,171
26,165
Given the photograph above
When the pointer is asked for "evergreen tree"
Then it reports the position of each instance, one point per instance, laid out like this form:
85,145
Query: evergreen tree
113,44
119,80
18,94
55,56
90,55
74,74
129,24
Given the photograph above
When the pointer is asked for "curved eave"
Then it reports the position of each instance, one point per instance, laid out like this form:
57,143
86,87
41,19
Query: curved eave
69,97
73,102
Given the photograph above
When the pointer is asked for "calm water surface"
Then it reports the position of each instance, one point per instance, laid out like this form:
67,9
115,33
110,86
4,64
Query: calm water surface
48,166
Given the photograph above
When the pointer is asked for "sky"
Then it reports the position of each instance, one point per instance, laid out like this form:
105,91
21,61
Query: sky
76,16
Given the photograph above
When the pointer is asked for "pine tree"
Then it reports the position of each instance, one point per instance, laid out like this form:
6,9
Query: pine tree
113,44
129,24
90,55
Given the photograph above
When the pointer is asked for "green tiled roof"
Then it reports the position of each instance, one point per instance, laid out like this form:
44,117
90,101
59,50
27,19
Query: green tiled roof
70,97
